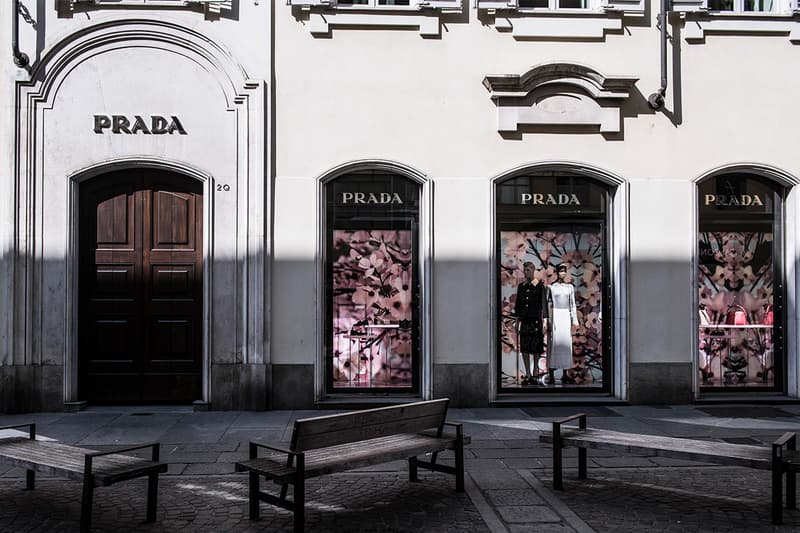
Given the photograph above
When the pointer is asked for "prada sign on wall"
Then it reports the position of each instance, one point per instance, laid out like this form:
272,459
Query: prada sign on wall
373,192
736,193
553,193
152,125
538,198
369,198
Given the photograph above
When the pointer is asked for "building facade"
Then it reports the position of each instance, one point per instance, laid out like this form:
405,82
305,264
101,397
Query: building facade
246,204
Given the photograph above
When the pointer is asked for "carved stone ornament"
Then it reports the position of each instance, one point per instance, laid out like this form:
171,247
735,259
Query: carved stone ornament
559,94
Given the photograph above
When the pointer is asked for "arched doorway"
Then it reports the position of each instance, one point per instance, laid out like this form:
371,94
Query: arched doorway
140,288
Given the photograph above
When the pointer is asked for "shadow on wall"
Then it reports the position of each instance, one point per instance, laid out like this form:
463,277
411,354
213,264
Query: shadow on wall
658,351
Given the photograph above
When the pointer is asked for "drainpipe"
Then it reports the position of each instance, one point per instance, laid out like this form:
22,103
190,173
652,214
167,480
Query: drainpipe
656,100
20,58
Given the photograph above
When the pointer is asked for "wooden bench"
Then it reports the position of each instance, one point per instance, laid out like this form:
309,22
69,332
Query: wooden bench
335,443
93,468
722,453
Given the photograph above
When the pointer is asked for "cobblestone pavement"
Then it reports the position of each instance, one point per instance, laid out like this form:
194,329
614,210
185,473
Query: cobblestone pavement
357,502
508,483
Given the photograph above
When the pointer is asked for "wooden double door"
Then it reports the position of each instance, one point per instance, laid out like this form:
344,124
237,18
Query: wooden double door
141,288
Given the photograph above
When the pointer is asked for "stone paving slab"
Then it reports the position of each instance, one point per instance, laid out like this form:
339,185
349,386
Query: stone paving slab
336,503
703,499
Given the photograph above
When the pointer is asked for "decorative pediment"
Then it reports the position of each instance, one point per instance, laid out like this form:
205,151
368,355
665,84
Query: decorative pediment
559,94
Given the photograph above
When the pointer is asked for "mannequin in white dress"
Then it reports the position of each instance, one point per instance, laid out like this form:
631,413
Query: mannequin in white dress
563,315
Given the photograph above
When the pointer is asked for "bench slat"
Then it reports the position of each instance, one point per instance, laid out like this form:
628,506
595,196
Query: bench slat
61,459
349,456
331,430
722,453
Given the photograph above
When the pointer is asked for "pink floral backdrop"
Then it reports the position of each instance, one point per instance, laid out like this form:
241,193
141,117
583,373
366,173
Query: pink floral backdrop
736,276
582,253
373,298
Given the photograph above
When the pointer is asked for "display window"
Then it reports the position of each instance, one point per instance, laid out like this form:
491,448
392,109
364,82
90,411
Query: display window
740,300
554,304
372,283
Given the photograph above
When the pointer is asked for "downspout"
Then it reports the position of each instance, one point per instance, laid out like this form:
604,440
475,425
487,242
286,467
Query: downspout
20,58
656,100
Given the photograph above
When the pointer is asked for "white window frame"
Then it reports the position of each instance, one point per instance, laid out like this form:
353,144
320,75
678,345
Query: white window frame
211,8
779,8
554,22
701,21
373,5
323,15
627,7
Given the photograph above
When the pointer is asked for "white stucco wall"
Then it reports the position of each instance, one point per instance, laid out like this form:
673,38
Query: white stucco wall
389,94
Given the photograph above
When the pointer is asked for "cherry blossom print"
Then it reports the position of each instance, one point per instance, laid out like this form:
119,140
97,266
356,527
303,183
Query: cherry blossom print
582,254
373,299
735,295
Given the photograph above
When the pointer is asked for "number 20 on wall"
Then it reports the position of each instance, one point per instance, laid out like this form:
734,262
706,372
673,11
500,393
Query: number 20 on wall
223,187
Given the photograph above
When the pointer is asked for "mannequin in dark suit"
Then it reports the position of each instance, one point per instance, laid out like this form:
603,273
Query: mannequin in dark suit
530,308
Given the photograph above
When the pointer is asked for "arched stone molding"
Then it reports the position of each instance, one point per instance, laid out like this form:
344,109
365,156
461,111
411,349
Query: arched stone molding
424,257
618,255
791,213
233,154
559,94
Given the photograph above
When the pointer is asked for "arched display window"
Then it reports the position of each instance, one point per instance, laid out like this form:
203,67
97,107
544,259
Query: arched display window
554,302
740,289
372,280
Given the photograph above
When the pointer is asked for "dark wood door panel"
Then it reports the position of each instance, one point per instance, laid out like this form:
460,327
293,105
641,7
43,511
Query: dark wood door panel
140,325
115,216
173,215
175,282
173,342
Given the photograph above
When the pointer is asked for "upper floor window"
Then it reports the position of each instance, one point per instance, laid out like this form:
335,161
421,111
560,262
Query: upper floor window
744,7
555,4
558,19
388,4
750,17
211,8
323,15
628,6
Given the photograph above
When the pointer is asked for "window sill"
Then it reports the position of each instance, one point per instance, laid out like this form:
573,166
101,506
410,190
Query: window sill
699,24
556,24
211,8
322,20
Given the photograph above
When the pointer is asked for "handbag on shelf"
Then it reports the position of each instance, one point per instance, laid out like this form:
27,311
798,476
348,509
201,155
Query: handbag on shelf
736,316
769,319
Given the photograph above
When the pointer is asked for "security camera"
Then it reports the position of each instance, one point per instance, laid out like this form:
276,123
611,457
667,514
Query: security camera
656,101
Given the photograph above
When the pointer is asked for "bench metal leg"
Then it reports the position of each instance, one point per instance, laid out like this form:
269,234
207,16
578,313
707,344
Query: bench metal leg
86,503
254,490
459,464
777,492
582,463
30,479
152,496
791,477
299,503
558,480
412,469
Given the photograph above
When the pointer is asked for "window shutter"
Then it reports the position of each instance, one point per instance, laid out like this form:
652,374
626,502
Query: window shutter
689,5
628,6
441,4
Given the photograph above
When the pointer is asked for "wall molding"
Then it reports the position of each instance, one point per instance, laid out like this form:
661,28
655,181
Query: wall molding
559,94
